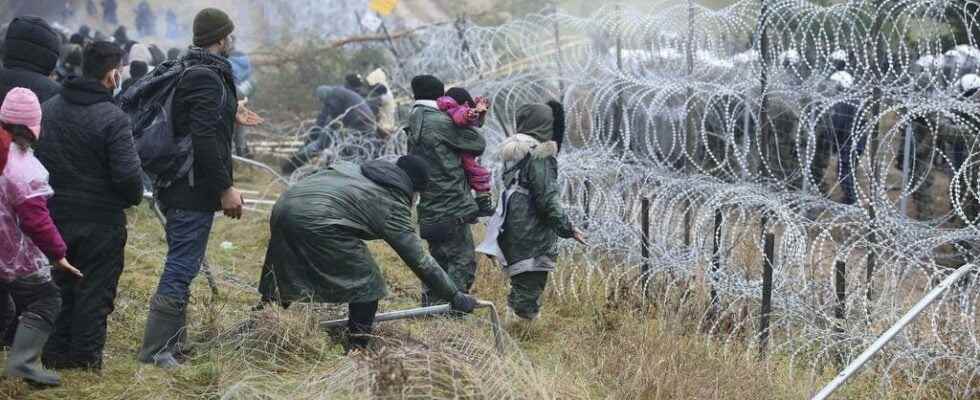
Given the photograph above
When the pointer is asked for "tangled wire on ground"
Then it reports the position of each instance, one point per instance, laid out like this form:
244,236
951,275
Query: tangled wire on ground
721,124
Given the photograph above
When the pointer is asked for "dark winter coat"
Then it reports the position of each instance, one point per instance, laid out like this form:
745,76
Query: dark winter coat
317,251
204,107
433,136
87,147
337,101
32,50
842,117
535,217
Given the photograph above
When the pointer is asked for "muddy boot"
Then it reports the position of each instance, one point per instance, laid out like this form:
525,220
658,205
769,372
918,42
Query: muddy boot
166,321
484,200
24,358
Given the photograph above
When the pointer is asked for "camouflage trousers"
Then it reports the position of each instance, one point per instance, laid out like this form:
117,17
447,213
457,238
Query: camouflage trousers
525,293
457,256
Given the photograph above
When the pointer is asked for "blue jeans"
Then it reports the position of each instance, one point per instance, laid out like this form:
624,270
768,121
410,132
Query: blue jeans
187,242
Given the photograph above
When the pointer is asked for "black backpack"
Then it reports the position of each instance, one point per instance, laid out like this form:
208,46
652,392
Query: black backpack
165,155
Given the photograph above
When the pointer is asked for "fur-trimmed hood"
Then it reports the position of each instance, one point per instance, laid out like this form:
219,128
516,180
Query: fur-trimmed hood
516,147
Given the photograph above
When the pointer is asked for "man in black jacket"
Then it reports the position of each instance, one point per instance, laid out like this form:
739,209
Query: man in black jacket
204,106
88,148
32,50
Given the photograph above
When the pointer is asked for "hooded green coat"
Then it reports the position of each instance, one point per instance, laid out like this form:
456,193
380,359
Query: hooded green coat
433,137
535,217
317,251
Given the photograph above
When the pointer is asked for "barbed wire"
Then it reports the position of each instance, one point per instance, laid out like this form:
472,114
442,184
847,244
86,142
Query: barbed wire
848,132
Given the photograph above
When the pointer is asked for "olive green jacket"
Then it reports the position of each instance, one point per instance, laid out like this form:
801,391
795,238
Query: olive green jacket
535,218
317,251
433,137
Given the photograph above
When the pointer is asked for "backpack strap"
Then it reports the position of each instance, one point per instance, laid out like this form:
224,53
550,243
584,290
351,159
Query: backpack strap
519,168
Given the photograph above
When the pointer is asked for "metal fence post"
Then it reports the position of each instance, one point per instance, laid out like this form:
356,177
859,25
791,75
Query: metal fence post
886,337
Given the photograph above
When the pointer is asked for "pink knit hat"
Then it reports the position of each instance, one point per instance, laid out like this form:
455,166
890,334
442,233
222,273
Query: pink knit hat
22,108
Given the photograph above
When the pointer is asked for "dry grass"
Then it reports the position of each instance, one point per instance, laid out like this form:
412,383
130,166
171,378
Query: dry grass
589,348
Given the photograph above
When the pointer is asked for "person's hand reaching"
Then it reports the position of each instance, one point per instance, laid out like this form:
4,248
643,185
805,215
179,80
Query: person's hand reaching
579,237
246,117
66,266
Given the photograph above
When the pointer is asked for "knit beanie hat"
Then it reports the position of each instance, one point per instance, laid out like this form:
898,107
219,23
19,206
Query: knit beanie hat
210,26
427,87
32,44
417,169
138,69
21,107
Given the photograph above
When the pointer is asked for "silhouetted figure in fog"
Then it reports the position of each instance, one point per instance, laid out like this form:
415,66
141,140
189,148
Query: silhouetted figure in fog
158,56
109,12
91,8
68,13
173,53
173,27
120,36
146,21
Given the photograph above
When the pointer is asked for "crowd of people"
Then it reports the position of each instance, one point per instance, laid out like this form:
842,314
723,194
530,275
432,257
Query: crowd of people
73,158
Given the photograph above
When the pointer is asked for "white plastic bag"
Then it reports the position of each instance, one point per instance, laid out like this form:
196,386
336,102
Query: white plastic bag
495,225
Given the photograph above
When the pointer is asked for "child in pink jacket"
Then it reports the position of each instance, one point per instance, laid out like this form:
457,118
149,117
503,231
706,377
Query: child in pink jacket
469,113
29,241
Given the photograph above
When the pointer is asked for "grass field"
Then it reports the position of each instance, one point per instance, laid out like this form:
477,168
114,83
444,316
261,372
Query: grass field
589,347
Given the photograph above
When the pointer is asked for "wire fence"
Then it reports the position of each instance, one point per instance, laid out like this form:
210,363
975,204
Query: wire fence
806,172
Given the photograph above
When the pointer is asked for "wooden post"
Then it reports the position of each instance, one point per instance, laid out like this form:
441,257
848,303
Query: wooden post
770,250
715,265
907,168
840,306
645,242
587,199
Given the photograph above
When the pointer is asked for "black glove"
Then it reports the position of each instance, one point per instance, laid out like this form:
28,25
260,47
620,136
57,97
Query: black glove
485,203
463,302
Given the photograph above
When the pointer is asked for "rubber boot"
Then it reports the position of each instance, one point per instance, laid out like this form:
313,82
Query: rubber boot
164,324
24,358
485,203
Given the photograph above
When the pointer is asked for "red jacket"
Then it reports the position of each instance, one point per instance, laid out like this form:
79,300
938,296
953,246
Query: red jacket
4,149
479,178
36,223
